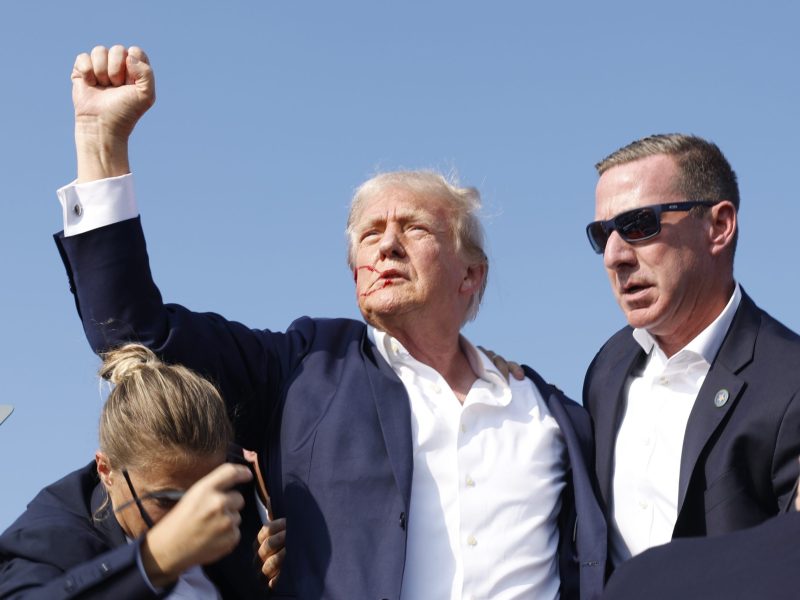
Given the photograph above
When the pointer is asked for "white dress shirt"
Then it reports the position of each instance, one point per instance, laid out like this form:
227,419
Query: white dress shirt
487,475
647,457
486,487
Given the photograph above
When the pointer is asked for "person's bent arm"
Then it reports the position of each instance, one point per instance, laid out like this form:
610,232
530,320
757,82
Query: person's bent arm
203,526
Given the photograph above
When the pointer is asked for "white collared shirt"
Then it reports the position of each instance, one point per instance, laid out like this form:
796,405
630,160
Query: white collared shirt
647,457
487,482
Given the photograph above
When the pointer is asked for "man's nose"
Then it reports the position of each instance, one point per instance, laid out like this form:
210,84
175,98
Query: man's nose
391,245
618,252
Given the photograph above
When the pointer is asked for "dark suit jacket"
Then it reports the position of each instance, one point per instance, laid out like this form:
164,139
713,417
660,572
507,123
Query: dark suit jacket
751,564
55,549
739,461
327,412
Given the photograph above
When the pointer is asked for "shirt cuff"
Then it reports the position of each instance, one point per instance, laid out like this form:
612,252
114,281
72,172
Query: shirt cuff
143,573
88,206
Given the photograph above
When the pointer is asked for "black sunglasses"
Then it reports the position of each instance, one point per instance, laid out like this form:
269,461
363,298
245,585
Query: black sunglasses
637,225
168,498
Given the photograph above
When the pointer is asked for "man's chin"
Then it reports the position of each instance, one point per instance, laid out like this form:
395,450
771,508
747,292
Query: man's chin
640,317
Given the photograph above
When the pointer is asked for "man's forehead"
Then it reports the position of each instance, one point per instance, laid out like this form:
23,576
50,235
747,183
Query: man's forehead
650,180
401,204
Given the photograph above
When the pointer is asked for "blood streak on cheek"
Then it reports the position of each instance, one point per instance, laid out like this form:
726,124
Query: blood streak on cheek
371,269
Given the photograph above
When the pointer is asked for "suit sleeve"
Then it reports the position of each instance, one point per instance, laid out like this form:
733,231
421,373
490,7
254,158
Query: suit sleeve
118,302
786,454
33,567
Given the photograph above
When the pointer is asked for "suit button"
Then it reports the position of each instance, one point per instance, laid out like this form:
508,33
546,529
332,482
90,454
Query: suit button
69,585
403,521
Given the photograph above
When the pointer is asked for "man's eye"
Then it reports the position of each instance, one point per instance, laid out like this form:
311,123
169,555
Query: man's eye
369,234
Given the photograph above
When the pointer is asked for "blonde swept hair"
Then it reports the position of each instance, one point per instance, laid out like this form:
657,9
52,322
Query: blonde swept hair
157,412
464,204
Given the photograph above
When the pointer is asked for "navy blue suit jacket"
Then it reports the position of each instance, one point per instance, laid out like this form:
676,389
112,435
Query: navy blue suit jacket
739,461
57,549
326,410
759,562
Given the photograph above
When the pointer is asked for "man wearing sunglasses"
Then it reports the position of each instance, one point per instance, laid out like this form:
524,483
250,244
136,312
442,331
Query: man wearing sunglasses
696,403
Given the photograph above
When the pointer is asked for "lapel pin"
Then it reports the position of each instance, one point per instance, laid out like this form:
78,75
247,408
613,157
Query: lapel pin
721,398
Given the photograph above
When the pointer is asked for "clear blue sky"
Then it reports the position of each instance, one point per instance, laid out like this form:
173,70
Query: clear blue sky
270,113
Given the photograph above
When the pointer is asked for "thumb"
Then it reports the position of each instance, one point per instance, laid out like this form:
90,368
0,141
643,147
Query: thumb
140,73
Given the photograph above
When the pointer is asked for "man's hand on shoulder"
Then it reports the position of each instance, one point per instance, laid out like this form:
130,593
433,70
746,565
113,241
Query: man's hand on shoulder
111,89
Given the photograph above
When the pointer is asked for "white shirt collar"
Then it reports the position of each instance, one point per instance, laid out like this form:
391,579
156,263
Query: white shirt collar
708,342
396,355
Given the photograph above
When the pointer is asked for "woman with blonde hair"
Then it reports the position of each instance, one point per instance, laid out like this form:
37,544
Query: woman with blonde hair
158,513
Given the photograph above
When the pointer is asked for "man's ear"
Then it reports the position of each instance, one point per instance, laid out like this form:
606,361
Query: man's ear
473,278
723,223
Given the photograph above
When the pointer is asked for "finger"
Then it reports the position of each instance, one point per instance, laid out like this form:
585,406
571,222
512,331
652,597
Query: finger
271,528
275,526
272,545
516,371
263,534
234,501
82,70
235,518
225,476
139,54
276,543
140,73
117,56
272,566
100,65
488,353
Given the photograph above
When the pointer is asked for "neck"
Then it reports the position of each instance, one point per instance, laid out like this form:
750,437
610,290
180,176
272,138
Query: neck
705,311
437,346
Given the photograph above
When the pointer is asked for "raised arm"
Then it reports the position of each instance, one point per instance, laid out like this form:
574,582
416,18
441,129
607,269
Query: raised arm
111,90
105,255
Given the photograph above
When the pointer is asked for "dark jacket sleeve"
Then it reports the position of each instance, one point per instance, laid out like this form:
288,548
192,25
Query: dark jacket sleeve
118,302
60,557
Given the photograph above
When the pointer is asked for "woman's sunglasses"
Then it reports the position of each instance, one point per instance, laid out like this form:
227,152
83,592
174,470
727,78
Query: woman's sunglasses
637,225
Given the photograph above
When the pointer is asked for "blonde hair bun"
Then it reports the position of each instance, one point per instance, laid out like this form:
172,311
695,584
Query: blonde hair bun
122,363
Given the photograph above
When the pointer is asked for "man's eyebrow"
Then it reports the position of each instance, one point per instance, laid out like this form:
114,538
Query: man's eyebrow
403,217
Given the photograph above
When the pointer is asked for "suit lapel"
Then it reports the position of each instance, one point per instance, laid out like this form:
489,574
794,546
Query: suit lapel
706,416
611,408
394,414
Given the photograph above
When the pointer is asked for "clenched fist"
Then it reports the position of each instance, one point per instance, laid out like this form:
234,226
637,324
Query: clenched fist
111,89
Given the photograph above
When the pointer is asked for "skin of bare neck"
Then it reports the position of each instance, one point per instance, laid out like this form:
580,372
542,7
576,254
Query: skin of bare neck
436,343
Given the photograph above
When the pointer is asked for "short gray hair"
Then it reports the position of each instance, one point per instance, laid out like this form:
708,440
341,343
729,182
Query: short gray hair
464,202
705,173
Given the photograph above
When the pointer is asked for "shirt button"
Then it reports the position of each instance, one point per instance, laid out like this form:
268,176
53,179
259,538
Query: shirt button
663,381
643,504
437,389
472,541
77,209
463,428
395,347
470,481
